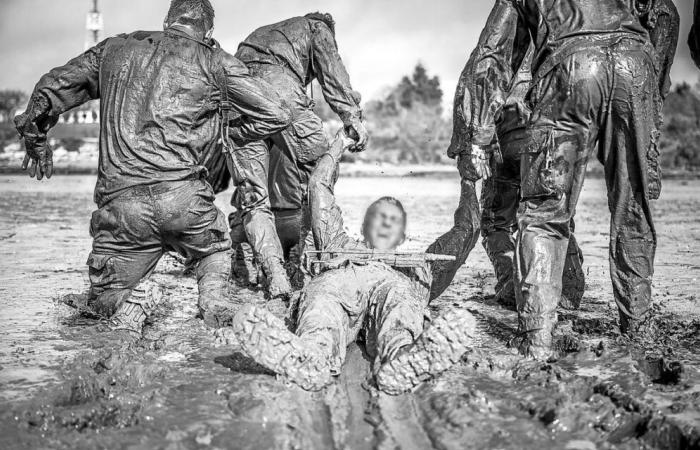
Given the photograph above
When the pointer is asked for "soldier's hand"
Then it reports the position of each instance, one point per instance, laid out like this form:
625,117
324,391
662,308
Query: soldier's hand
358,133
481,162
38,160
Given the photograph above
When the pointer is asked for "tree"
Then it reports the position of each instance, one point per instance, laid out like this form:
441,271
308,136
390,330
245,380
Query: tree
418,89
10,101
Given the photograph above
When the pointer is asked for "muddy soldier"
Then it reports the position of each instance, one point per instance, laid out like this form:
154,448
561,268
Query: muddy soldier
290,55
595,87
355,293
500,195
160,93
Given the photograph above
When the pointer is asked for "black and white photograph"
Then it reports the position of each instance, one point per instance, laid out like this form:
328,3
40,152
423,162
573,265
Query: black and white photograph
350,225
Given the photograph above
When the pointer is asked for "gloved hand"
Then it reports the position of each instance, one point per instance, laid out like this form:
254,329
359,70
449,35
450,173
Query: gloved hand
39,157
356,131
480,159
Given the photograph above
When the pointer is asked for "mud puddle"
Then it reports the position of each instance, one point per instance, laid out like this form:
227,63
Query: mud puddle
177,388
66,384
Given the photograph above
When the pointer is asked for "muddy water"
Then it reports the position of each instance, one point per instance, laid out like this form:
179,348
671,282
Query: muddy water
66,384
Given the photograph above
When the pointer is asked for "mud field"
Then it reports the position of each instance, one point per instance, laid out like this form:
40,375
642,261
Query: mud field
66,384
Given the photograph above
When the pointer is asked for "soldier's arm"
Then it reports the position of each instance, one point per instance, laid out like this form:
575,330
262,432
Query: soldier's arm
326,216
490,71
61,89
261,110
332,76
694,36
664,37
461,239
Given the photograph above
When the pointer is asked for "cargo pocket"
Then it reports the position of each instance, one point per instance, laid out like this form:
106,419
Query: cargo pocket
310,139
544,173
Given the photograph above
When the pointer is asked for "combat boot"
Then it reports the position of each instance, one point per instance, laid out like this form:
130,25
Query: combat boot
278,284
132,314
265,339
436,350
244,267
215,305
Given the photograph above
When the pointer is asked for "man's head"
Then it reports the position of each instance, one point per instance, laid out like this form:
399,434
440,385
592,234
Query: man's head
384,227
323,17
195,14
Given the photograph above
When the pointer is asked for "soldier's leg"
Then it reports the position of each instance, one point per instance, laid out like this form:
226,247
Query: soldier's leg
500,197
405,355
126,249
244,267
195,228
327,321
631,177
251,198
461,239
301,146
562,135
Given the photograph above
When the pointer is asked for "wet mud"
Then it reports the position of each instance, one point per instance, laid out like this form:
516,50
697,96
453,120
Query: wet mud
66,383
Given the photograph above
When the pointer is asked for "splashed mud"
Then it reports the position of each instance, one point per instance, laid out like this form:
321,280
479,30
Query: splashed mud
64,383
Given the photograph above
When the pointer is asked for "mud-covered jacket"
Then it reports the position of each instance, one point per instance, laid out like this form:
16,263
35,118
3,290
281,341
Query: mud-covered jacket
307,49
694,36
160,94
556,28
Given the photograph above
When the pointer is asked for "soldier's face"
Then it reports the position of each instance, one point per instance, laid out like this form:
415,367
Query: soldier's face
385,226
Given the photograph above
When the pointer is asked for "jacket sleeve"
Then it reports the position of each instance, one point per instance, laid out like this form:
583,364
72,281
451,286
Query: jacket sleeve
490,71
664,37
261,110
326,216
461,239
331,74
74,83
694,36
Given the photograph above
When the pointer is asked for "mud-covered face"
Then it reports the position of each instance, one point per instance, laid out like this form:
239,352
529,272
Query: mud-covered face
384,226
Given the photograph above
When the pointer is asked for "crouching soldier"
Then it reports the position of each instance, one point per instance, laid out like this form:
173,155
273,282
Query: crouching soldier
365,286
290,55
160,94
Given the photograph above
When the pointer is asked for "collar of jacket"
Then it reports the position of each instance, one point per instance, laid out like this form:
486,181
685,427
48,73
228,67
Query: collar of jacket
187,33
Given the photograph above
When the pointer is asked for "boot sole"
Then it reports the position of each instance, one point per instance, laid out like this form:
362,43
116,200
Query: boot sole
265,339
436,350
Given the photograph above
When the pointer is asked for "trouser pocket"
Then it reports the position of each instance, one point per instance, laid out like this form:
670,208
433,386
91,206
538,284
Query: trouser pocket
537,165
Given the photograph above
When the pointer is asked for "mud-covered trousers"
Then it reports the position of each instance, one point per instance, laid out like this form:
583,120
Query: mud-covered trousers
603,98
500,198
303,142
131,231
388,306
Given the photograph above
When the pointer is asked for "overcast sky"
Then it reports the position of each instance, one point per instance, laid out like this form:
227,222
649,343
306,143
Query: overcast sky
380,40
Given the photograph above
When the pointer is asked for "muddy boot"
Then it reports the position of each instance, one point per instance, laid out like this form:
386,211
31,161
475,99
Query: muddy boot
436,350
215,307
264,338
537,343
500,247
277,282
244,267
573,279
132,314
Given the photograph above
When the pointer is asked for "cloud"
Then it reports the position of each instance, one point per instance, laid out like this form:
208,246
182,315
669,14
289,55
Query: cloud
380,40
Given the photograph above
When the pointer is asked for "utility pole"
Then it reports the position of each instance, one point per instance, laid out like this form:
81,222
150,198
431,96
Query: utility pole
93,26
